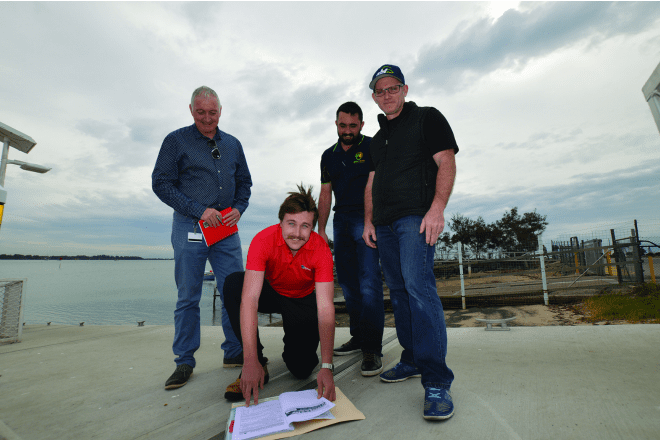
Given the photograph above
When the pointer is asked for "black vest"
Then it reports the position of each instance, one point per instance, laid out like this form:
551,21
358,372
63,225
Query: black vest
404,183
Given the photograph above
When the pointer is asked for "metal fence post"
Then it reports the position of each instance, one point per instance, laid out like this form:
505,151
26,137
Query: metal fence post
652,272
460,269
545,283
617,251
637,252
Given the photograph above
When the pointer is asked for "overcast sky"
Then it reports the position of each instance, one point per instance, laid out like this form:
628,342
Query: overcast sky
544,99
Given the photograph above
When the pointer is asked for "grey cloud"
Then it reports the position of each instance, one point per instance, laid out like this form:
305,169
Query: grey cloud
99,129
273,97
519,36
148,131
125,144
291,100
622,195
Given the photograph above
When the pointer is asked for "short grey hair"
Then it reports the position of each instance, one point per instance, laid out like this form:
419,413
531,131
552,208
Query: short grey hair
204,92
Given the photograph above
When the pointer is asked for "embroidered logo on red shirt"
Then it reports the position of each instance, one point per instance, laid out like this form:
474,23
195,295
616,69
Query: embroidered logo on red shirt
306,268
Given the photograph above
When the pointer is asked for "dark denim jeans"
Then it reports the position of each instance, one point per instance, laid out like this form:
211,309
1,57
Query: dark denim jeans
358,274
226,257
420,322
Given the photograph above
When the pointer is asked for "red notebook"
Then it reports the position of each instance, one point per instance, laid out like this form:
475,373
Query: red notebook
213,235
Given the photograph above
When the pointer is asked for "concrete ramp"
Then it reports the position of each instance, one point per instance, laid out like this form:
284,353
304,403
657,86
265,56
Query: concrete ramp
106,382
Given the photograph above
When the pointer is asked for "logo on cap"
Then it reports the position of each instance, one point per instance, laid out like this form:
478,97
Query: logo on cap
384,70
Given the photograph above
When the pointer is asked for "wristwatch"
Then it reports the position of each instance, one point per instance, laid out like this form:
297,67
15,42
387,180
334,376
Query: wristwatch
330,367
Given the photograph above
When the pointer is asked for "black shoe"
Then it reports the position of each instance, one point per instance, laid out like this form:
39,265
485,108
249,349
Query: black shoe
371,365
236,361
233,392
180,377
348,348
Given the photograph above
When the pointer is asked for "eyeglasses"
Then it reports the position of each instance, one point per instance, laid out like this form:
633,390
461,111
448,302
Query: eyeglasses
391,90
214,152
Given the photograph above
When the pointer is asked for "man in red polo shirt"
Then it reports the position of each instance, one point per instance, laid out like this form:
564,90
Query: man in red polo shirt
288,271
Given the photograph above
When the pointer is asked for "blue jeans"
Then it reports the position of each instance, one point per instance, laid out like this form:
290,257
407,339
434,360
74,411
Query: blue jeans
420,322
190,258
358,274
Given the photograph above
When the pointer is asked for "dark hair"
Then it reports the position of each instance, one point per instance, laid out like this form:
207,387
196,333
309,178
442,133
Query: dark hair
351,108
301,201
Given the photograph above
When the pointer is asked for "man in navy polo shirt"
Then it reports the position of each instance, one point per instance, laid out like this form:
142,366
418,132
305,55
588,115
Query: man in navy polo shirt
345,171
199,172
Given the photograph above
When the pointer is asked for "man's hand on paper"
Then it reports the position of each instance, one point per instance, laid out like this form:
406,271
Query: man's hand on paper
252,378
326,384
232,218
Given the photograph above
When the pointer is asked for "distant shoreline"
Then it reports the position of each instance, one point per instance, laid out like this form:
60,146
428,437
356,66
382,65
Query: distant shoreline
75,257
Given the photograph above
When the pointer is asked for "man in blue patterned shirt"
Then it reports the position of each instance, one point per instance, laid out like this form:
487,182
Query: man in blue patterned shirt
200,171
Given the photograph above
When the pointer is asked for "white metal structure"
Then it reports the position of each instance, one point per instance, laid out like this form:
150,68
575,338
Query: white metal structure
22,142
651,91
12,294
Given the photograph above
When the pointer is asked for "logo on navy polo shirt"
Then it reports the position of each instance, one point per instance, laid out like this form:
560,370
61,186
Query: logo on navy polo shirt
359,158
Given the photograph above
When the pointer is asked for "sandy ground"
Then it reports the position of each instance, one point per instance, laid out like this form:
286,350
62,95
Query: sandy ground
529,316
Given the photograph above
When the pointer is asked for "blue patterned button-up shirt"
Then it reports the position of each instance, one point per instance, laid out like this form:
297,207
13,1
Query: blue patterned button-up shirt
188,178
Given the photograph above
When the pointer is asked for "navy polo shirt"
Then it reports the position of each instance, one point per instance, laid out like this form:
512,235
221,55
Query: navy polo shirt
348,172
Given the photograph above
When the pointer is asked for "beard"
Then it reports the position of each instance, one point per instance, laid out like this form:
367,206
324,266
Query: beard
348,139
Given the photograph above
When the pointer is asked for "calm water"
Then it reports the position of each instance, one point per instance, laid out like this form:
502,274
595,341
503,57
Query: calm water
103,292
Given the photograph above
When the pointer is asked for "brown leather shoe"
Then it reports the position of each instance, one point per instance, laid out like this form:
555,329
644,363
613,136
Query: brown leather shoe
233,392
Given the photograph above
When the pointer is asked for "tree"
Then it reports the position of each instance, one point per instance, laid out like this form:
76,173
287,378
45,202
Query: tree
473,234
519,233
512,232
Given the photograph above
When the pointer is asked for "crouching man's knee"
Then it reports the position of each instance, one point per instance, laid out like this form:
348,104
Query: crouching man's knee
301,369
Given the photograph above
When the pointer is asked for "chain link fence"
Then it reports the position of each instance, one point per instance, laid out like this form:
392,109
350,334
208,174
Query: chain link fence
574,267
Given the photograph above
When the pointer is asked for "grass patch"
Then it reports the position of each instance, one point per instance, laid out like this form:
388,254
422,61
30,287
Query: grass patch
639,305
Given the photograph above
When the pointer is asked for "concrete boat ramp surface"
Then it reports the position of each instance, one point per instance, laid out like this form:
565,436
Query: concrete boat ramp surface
106,382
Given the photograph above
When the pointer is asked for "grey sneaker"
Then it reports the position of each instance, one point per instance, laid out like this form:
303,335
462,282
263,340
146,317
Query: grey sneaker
180,377
371,364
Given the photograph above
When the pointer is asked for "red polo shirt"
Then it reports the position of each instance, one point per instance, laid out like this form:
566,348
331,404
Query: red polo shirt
290,276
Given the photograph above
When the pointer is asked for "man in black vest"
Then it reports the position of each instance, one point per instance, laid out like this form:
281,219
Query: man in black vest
408,188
